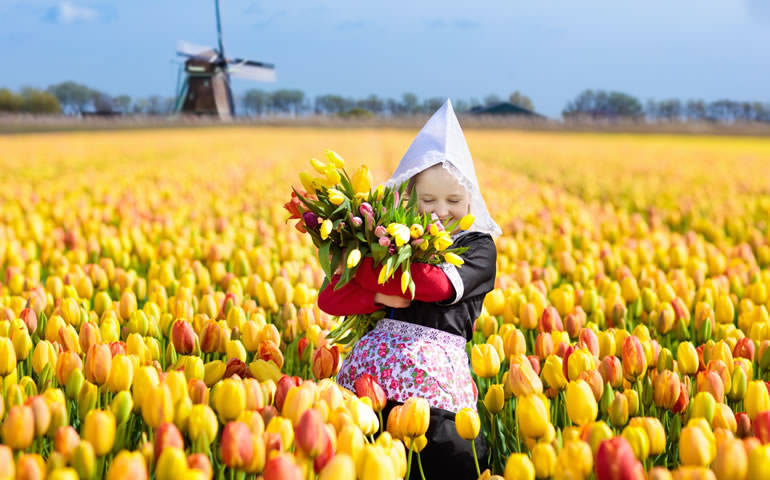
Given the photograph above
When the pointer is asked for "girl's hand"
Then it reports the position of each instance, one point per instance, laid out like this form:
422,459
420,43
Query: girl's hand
393,301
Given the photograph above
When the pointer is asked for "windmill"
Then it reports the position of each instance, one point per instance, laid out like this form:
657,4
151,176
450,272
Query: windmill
206,86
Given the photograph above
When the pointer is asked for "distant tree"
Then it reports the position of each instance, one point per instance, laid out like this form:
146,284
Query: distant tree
670,110
491,99
523,101
332,104
101,101
72,96
394,107
255,101
430,105
122,103
372,103
287,101
9,101
410,102
602,104
461,106
695,110
38,101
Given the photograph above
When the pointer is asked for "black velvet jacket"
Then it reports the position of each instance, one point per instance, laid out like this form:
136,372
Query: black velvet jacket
471,282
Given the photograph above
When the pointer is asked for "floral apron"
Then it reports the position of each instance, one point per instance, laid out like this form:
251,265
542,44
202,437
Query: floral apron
410,360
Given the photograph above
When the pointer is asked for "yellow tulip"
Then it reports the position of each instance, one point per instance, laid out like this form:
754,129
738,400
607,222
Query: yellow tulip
757,399
532,415
335,196
467,221
484,360
453,259
362,180
353,258
326,229
519,466
417,416
494,400
581,403
99,430
467,423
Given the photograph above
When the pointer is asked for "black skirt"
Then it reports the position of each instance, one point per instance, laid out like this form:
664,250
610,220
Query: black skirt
446,454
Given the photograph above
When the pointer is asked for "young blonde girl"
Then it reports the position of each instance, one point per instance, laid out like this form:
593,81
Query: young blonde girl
419,348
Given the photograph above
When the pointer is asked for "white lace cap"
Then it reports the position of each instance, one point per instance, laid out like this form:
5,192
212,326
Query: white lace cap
441,140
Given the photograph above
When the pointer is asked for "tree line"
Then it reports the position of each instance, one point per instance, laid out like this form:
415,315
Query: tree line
604,105
71,98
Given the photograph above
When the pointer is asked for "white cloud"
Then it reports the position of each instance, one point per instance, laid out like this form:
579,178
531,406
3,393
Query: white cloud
67,12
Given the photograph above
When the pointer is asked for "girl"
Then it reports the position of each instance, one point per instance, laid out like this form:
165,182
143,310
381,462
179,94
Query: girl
419,348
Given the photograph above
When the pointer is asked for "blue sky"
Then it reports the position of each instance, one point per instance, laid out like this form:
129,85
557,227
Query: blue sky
548,49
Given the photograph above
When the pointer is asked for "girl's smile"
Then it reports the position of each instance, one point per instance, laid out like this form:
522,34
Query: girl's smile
439,192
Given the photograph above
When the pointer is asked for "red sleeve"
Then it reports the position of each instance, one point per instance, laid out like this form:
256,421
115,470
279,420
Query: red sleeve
350,299
430,282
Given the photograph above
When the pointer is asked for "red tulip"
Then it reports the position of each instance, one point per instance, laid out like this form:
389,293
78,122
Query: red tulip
550,320
282,467
744,348
183,337
615,460
282,388
167,435
761,426
309,432
325,362
237,446
367,386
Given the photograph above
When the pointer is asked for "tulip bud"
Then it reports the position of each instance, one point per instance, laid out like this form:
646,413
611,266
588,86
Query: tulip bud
532,415
615,459
634,360
99,431
485,360
494,399
519,465
757,399
695,448
83,460
237,447
326,362
19,427
128,465
309,432
687,358
618,410
367,386
581,404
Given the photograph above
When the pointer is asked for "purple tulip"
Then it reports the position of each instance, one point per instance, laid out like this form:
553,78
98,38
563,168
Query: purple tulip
311,219
356,221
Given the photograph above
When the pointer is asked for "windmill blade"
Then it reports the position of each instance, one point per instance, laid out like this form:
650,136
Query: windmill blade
219,32
187,49
251,70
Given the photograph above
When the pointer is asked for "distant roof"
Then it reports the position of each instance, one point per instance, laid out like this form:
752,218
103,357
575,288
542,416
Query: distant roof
503,108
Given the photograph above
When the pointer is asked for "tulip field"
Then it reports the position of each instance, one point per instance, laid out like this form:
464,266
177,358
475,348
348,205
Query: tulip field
159,317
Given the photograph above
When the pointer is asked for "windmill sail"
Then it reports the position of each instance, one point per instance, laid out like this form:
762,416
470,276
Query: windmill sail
251,70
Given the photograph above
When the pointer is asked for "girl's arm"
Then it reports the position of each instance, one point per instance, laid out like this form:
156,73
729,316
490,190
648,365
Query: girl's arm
431,283
353,299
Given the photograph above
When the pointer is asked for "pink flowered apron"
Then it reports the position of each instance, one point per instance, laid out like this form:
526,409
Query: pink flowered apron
410,360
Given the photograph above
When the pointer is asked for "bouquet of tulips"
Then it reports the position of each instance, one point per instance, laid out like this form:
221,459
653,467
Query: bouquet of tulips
348,220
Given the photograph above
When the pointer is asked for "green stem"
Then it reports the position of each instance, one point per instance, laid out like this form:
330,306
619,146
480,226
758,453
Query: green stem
409,459
475,457
419,464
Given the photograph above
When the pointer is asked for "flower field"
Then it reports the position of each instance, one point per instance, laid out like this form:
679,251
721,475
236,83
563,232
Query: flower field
158,314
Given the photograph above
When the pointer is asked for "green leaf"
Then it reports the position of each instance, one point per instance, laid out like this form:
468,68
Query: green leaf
378,252
323,257
404,254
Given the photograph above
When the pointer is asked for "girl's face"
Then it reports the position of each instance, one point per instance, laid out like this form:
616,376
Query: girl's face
439,192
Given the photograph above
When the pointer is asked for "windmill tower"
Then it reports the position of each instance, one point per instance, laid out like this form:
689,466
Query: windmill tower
206,85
